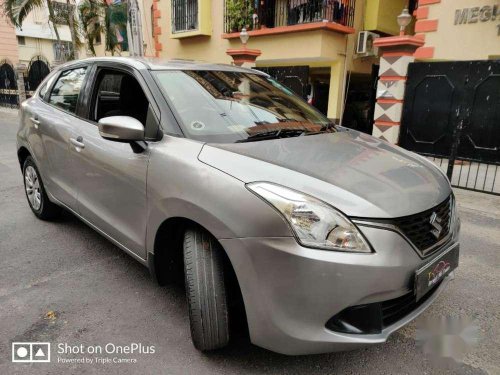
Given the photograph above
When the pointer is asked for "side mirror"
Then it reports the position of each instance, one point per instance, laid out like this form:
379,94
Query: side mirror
121,129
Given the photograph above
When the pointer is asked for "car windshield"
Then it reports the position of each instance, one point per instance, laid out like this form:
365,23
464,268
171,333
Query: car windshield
228,106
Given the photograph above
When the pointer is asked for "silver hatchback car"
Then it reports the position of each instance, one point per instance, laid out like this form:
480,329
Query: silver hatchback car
333,239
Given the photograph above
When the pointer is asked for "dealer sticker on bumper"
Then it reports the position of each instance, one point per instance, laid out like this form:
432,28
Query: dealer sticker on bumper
432,273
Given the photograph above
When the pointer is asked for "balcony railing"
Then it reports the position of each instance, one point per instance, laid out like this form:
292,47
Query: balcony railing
277,13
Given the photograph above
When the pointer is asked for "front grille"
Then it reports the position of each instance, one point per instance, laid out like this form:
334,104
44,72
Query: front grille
397,308
418,228
374,317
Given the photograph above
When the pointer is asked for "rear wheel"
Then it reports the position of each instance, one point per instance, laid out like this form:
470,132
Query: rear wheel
35,192
205,290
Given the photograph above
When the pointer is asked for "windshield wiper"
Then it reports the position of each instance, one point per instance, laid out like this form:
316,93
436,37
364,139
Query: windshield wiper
273,134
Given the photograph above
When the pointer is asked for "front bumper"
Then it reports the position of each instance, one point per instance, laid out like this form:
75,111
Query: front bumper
290,292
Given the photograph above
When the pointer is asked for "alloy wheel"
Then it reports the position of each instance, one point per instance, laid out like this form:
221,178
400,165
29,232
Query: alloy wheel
32,184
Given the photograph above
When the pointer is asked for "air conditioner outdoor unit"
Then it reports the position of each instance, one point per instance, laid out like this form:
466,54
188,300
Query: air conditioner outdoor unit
365,45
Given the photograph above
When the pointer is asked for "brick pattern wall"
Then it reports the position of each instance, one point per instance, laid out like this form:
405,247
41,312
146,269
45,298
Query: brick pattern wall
8,42
423,26
157,28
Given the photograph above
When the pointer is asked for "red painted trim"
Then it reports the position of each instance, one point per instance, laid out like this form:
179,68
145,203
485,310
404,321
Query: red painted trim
424,53
427,2
330,26
420,36
243,55
389,101
157,30
387,123
397,54
157,13
425,26
155,5
397,41
158,47
392,78
422,13
243,51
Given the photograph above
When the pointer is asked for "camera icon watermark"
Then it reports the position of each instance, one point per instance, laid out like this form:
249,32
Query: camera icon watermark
31,352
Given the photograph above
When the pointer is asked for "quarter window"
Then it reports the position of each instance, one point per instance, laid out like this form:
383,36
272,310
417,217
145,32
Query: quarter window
45,87
67,89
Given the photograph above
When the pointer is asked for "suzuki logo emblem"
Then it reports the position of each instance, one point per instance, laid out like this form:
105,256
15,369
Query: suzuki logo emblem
435,222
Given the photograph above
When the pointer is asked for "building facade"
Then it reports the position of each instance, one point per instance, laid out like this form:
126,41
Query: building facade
9,51
456,30
309,45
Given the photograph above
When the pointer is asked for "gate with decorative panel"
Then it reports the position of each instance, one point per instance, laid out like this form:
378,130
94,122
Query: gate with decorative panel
451,115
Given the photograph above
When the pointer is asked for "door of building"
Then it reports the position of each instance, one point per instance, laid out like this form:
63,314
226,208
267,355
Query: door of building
295,78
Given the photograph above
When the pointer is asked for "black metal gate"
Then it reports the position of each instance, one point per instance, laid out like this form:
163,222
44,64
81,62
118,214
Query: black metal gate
452,115
38,69
8,85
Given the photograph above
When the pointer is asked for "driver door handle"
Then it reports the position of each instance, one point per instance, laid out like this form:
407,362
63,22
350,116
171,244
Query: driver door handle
78,142
35,122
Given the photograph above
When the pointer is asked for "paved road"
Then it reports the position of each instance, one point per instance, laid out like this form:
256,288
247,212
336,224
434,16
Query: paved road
100,295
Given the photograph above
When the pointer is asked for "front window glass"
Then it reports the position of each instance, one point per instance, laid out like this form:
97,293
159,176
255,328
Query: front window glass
66,90
225,106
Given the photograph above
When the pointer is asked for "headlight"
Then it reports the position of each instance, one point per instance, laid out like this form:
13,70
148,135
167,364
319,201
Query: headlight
314,223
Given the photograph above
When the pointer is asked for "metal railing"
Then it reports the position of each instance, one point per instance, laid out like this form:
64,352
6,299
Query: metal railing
184,15
244,13
470,174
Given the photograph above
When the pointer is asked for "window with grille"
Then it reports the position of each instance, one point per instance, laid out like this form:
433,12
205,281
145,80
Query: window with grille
184,15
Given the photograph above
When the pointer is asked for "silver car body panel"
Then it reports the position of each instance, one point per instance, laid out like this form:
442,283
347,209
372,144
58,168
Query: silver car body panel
289,291
356,173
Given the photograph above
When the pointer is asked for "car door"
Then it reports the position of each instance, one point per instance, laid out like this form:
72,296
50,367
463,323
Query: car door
55,119
111,176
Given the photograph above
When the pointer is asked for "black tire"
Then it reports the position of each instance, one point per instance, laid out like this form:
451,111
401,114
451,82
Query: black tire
205,290
42,207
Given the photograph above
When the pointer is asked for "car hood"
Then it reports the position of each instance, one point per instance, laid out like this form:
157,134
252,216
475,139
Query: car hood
356,173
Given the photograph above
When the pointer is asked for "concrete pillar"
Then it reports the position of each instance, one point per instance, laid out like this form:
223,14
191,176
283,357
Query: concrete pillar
397,54
21,89
243,55
335,93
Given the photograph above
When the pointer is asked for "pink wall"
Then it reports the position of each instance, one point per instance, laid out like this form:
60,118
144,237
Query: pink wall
8,42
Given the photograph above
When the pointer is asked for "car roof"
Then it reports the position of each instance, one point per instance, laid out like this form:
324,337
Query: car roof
160,64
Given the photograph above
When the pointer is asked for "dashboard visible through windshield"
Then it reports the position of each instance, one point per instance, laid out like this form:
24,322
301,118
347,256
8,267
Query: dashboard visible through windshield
228,107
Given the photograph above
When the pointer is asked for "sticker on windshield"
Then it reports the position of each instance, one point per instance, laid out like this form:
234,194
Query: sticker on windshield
197,125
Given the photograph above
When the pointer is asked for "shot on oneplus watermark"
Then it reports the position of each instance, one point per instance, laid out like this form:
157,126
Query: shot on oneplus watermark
30,352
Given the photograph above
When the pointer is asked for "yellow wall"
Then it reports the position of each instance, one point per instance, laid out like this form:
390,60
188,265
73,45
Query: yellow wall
36,47
381,15
467,41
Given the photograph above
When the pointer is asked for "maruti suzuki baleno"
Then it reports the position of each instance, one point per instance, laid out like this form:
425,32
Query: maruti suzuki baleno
332,238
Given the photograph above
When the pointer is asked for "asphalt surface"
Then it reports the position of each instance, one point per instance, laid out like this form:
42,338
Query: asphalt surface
61,282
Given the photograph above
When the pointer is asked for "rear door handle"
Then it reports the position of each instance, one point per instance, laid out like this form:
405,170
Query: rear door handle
35,122
77,142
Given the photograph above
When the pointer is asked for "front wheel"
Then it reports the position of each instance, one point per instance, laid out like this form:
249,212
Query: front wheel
35,192
205,290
